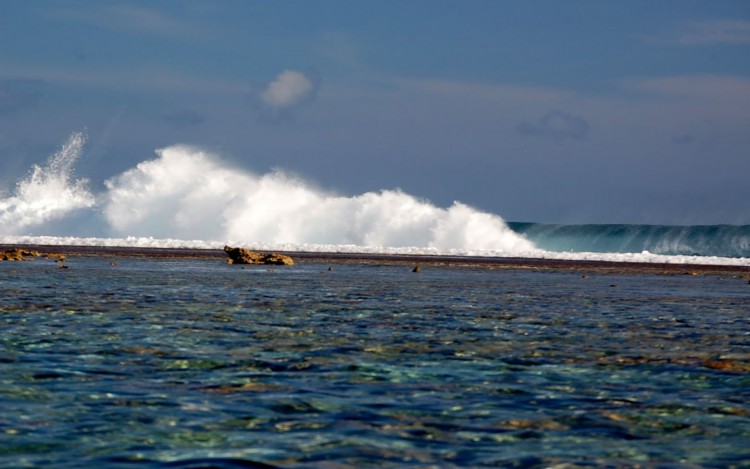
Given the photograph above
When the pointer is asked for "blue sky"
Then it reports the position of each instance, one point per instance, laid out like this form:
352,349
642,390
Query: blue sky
548,111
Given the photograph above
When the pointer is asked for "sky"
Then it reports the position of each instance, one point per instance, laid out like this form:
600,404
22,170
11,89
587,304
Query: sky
539,110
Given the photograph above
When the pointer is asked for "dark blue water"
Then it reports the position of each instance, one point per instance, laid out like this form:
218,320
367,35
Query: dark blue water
194,363
700,240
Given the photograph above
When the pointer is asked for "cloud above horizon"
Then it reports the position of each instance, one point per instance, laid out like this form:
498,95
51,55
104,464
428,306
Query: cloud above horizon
556,125
289,90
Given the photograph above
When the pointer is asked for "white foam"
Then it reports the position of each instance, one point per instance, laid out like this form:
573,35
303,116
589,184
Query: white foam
151,242
49,192
187,193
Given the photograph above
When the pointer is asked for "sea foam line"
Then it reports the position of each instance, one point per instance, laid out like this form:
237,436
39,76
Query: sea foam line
170,243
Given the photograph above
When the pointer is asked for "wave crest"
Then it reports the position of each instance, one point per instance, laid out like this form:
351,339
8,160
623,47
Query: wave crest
190,194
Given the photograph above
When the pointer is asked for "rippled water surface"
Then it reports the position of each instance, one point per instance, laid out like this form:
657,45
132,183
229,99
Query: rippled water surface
194,363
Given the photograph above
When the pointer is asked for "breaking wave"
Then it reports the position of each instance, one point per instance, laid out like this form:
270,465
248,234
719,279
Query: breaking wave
699,240
189,198
187,193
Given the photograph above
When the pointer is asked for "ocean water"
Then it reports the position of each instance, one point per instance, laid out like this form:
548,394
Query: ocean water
189,198
151,362
700,241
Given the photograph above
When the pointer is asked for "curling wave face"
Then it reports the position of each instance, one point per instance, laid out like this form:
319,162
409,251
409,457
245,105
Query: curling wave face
700,240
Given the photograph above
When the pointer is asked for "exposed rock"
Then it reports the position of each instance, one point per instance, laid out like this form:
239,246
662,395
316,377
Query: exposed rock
17,254
277,259
21,254
735,366
247,256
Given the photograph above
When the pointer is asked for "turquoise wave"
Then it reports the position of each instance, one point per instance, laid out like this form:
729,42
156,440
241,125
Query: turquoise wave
701,240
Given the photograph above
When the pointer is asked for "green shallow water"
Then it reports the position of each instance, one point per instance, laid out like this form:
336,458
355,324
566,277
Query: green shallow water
193,363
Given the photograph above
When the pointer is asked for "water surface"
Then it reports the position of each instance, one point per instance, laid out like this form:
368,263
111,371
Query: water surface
194,363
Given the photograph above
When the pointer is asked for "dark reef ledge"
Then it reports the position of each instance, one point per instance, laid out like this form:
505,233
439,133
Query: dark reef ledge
423,260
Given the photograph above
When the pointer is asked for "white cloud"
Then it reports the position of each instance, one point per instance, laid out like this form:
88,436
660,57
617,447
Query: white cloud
289,90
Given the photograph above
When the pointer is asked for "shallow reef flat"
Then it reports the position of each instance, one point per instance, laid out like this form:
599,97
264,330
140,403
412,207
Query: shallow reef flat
143,358
386,259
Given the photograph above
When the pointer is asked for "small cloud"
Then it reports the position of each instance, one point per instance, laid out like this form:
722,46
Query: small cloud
290,90
703,33
556,125
185,118
17,95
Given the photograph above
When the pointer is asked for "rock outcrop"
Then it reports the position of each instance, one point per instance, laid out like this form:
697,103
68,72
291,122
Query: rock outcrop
21,254
247,256
17,254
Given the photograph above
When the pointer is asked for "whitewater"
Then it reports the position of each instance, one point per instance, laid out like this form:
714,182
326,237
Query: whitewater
186,197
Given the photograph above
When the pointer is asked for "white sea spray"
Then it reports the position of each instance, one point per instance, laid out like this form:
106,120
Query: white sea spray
188,193
48,192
